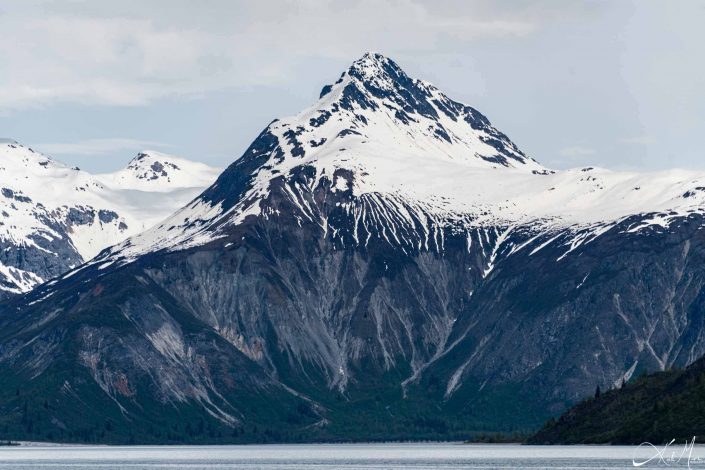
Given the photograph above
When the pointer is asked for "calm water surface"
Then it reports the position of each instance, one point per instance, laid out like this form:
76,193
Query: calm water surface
347,457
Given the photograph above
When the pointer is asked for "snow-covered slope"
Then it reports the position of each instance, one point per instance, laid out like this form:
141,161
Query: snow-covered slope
53,217
421,156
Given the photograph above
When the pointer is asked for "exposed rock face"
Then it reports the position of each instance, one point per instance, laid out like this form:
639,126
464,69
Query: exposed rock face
318,289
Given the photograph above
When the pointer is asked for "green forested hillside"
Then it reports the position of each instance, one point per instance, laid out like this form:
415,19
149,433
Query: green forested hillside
654,408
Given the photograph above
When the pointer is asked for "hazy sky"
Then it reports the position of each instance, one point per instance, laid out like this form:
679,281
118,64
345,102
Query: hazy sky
619,84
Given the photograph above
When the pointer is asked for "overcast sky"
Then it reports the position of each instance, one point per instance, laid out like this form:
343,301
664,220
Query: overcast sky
618,84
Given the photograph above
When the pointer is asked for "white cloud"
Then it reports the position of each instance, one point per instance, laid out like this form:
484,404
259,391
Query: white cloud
576,151
96,147
103,54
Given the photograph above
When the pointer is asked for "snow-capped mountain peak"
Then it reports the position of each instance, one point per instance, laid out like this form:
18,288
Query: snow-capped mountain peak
150,170
376,93
425,160
377,70
146,165
391,134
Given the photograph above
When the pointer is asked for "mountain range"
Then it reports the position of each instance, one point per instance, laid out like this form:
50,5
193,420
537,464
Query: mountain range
386,264
53,218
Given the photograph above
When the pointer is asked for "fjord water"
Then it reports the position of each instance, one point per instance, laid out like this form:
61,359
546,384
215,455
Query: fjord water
334,456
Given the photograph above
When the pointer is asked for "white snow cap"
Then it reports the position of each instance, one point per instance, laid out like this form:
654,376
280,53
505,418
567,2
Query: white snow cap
150,170
403,139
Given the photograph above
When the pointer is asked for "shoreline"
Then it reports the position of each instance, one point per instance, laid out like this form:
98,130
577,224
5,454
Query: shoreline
36,444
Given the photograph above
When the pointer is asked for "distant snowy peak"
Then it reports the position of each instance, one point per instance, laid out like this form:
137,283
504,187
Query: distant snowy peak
53,217
156,171
23,170
16,157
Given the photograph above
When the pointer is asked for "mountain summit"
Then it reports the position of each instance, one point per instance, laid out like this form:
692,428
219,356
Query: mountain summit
374,131
150,170
383,265
437,123
378,135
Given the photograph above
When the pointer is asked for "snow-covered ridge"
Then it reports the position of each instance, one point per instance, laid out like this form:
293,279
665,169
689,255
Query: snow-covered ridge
403,143
51,214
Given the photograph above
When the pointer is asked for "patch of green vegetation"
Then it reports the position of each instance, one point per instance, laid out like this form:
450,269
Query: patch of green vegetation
45,409
652,408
